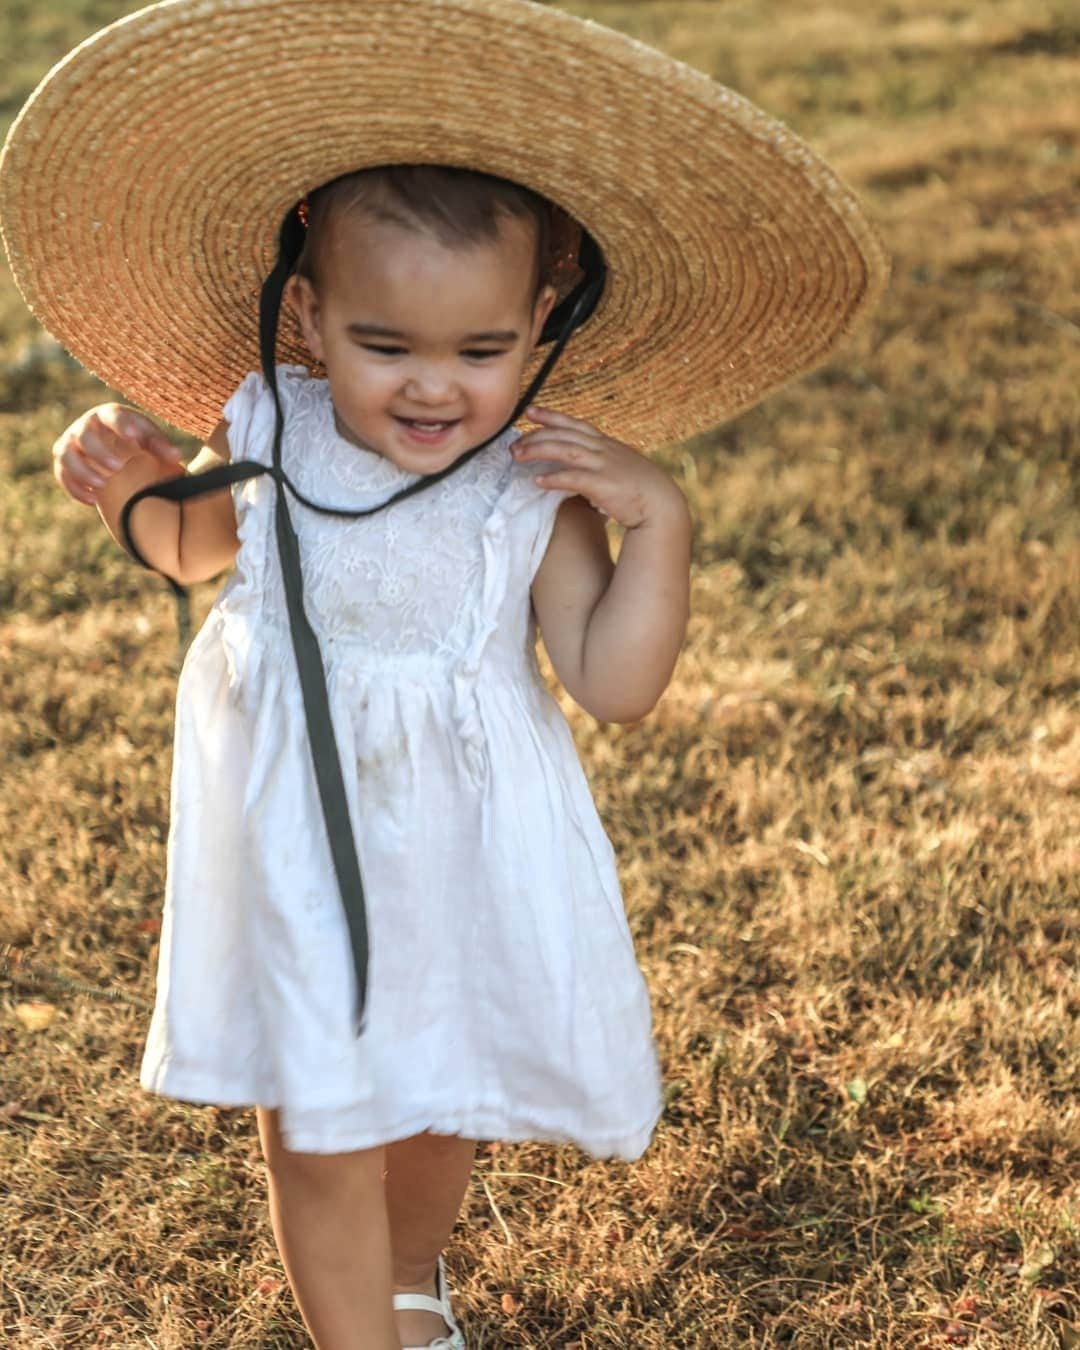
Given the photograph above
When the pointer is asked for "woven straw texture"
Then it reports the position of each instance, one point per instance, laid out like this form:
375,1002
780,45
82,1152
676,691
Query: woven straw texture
142,186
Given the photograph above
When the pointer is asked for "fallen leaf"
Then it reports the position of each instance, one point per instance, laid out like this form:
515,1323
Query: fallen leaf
510,1304
268,1286
35,1016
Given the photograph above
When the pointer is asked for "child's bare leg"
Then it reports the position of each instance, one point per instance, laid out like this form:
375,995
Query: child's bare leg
329,1217
426,1177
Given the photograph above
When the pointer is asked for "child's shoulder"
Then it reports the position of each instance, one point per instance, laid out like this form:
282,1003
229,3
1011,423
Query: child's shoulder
249,411
290,379
252,401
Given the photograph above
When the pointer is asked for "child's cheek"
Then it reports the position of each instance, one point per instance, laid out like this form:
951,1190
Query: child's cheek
376,383
502,382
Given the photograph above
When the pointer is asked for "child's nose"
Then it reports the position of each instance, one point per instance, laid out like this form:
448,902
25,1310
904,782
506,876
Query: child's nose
429,383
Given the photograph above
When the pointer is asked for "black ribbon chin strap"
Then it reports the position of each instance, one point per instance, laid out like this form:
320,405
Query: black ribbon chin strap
564,319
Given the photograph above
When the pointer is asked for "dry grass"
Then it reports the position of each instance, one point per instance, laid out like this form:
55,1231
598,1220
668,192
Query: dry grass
848,834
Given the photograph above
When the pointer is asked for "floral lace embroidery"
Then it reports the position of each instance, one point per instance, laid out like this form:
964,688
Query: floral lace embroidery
406,580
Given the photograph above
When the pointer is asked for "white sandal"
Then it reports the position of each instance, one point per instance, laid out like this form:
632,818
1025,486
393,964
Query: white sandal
440,1305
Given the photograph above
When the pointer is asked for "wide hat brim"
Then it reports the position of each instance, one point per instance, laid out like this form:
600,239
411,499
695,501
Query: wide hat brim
143,184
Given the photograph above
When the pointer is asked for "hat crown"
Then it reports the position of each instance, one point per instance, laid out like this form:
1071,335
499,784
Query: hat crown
736,258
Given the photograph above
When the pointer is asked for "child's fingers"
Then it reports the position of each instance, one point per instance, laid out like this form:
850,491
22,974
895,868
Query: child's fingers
557,444
76,475
70,465
159,444
100,444
129,425
92,441
572,480
82,487
549,417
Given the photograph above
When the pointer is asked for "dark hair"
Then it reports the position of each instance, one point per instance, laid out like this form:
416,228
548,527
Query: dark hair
457,206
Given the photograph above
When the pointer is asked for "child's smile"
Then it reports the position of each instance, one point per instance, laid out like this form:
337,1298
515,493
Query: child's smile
424,431
424,344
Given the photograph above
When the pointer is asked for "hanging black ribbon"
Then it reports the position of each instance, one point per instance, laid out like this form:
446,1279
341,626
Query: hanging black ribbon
561,323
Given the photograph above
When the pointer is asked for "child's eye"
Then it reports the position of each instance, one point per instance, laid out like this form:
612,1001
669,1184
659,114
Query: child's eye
476,352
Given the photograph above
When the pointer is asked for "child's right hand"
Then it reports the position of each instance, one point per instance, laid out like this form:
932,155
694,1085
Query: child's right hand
100,442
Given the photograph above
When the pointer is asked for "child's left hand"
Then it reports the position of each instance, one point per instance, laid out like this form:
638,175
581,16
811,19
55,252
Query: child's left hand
618,480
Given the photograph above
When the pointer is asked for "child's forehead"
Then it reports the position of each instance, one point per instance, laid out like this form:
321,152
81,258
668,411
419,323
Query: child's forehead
359,231
386,258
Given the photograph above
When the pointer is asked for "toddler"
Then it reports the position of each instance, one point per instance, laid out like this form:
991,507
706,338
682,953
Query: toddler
505,1001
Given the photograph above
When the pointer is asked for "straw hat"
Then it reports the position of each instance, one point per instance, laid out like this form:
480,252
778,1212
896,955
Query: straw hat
144,182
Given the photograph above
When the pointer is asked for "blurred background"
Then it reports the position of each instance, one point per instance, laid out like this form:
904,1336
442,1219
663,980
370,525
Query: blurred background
848,834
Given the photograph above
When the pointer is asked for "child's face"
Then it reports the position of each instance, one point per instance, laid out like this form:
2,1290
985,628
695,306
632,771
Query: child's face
424,346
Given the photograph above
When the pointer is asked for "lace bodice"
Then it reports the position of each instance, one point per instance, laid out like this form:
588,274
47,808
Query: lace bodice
405,580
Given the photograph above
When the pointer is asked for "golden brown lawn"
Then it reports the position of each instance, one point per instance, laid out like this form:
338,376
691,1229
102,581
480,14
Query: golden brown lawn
849,834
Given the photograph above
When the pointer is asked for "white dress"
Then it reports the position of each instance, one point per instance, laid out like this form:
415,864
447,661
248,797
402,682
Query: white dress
504,998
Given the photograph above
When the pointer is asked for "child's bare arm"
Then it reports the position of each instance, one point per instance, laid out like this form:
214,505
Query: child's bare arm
613,632
155,524
208,538
189,541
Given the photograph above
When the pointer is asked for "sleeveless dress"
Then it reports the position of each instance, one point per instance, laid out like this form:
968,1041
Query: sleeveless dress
504,997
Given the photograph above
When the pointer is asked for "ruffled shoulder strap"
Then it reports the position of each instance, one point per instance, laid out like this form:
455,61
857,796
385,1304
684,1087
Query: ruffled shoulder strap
514,540
534,507
250,413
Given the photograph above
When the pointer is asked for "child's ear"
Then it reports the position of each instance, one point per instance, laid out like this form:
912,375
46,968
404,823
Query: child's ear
542,307
302,299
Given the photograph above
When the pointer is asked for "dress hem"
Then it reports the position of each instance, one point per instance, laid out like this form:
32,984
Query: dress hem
492,1125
